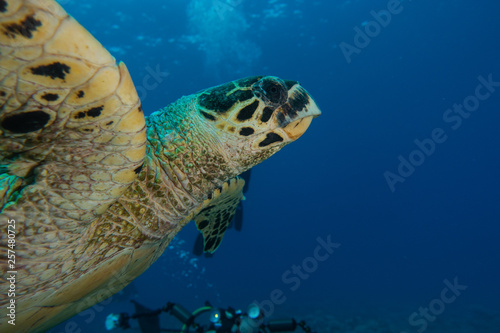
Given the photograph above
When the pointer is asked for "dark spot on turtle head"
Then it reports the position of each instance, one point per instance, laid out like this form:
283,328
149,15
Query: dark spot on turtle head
140,108
55,70
94,112
2,93
50,97
26,122
138,169
219,99
281,118
109,123
287,114
241,95
266,114
207,116
25,28
270,138
80,94
299,100
3,6
215,99
246,131
248,111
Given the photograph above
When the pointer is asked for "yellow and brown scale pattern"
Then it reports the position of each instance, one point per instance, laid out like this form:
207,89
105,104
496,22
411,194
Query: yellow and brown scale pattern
72,134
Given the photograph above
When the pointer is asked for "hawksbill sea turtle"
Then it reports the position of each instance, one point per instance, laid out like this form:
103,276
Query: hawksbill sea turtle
96,190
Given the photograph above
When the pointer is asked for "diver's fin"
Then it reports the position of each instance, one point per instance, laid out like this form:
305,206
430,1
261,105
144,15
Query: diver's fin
246,177
218,211
198,245
148,320
238,219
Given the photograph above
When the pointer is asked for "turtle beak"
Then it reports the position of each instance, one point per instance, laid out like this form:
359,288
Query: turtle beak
295,129
298,112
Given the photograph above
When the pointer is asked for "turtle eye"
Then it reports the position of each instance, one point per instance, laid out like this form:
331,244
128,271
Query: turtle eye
272,91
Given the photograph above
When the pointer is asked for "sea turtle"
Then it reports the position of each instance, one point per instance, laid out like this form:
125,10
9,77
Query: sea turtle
91,190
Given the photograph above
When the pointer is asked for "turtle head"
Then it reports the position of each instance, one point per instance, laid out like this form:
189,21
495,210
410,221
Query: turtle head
257,116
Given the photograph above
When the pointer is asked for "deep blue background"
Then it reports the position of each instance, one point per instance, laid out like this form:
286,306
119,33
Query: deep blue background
396,248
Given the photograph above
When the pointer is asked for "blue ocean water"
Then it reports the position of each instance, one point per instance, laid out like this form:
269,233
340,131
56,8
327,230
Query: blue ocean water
384,216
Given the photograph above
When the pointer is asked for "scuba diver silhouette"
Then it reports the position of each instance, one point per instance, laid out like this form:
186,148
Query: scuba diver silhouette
220,320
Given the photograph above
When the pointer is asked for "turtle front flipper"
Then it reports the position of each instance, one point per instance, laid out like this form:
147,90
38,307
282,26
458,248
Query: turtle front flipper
71,125
218,211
